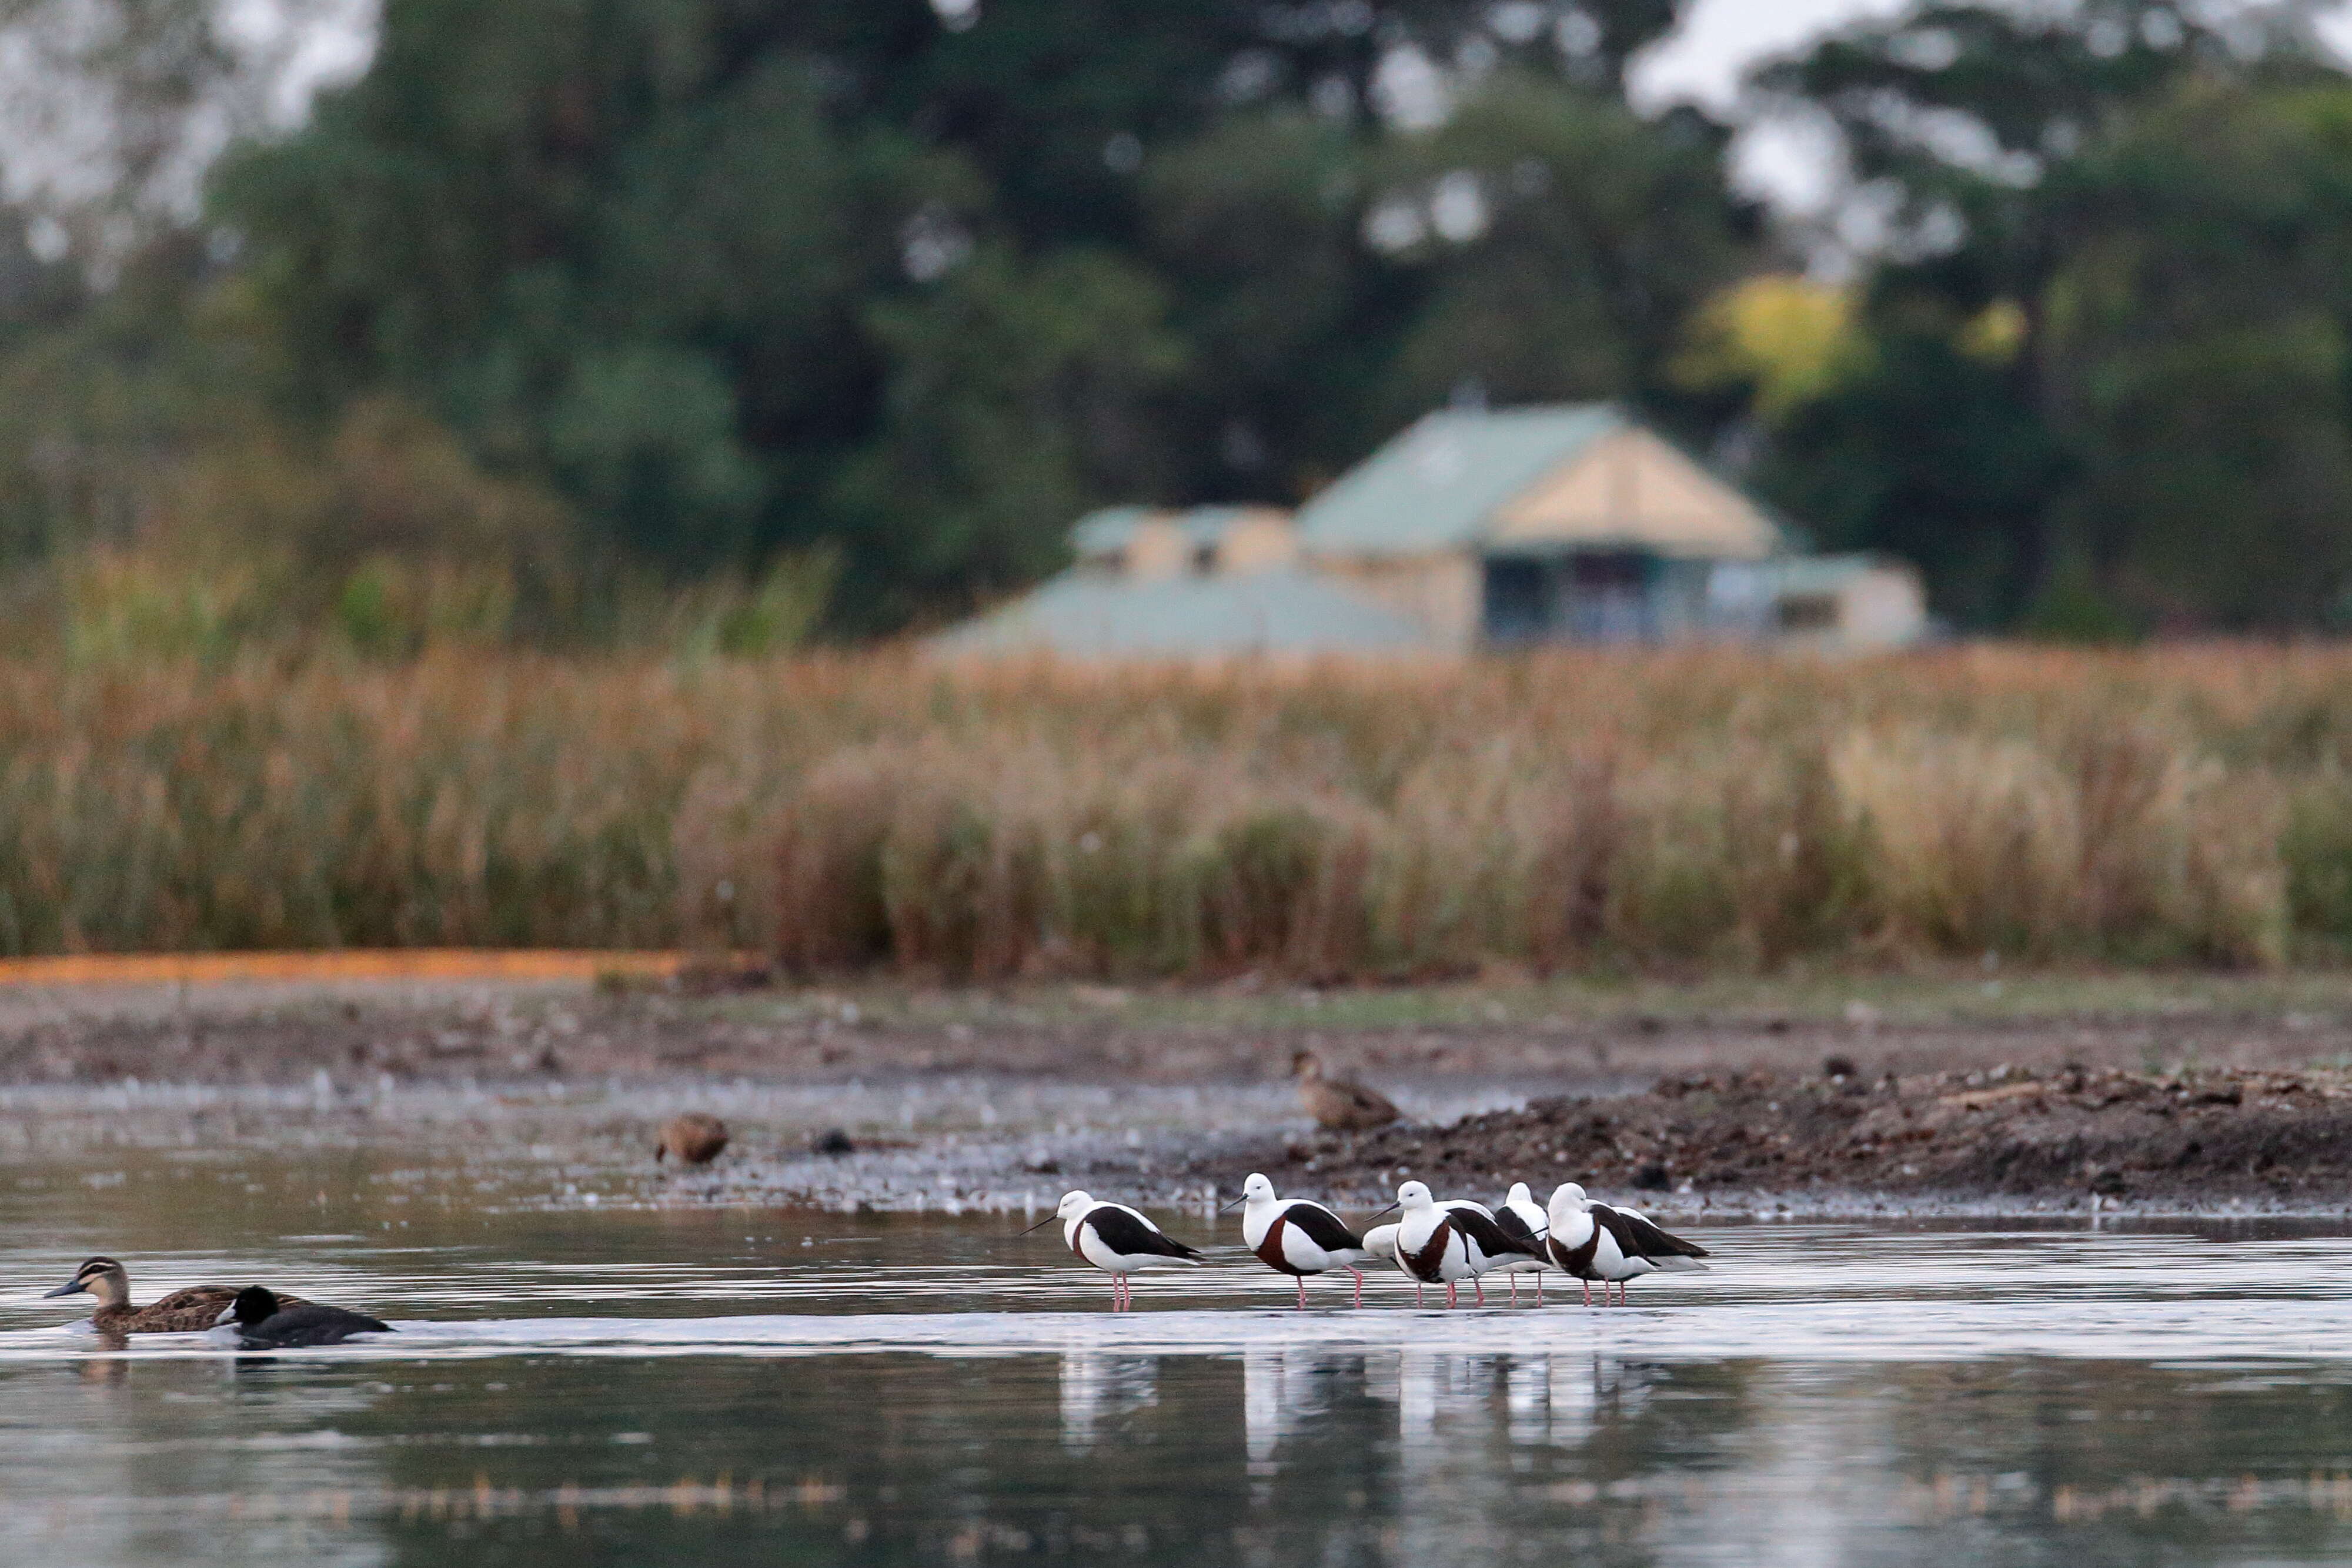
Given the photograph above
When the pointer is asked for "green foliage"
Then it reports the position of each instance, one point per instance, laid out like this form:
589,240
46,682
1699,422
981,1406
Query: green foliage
2110,331
1018,397
924,287
682,322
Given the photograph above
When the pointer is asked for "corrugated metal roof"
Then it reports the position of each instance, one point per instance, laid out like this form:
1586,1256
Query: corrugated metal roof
1112,529
1435,485
1279,611
1107,531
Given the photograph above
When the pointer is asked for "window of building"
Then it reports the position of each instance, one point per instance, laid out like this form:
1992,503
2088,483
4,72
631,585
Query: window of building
1809,612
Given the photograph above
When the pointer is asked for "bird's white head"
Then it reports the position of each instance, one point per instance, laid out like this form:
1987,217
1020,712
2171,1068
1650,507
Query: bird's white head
1072,1205
1518,1194
1569,1192
1414,1195
1258,1189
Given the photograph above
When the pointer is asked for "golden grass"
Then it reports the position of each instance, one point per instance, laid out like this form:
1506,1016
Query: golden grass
349,965
1576,810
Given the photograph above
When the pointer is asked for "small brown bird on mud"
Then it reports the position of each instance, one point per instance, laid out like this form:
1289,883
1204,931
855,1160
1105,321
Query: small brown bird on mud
695,1138
191,1311
1341,1104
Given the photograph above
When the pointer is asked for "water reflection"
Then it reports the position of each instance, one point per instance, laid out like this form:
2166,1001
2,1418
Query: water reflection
1097,1387
736,1388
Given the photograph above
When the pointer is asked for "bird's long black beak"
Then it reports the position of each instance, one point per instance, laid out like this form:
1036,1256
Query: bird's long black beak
1229,1207
1043,1223
1389,1210
70,1288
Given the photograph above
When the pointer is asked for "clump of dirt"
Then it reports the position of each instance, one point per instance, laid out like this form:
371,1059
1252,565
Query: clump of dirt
2191,1136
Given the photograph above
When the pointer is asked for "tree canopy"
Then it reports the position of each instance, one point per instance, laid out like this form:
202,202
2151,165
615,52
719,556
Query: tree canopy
595,298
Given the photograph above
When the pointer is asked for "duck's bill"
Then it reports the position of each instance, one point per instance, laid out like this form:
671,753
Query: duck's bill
70,1288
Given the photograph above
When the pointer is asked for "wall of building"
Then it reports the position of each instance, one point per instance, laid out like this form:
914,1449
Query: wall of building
1443,594
1635,490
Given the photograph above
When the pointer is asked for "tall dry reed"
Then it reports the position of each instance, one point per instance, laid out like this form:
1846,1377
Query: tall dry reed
2184,805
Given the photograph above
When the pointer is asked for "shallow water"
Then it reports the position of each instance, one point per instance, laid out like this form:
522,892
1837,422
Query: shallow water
741,1385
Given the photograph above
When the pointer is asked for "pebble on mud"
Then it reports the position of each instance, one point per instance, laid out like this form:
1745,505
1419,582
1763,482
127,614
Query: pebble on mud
695,1138
833,1141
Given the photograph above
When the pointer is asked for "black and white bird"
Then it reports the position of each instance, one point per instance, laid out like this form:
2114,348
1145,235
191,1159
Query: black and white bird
1295,1237
1444,1244
1615,1246
1522,1216
1116,1239
263,1322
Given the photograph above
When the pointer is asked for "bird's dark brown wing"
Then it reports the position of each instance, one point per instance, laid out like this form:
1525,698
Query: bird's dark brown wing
1370,1104
1491,1237
1321,1226
1511,1223
197,1307
1126,1235
1646,1241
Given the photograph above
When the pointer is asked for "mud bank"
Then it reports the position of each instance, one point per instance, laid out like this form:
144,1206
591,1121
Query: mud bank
2193,1139
986,1100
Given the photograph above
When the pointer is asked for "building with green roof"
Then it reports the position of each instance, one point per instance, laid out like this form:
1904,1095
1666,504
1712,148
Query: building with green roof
1472,529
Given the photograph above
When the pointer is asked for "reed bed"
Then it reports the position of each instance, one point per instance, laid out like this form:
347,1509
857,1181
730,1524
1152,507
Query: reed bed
2179,806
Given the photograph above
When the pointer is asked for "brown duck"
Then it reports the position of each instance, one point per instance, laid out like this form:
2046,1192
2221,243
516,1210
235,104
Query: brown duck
191,1311
696,1139
1340,1104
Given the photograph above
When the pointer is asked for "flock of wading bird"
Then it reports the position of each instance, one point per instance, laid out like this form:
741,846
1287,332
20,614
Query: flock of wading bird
1434,1241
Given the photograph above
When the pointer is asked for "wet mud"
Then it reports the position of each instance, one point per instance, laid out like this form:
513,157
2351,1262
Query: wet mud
2192,1138
2195,1112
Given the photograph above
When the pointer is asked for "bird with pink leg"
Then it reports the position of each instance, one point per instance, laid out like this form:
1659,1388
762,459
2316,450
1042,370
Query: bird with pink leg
1293,1236
1614,1246
1446,1243
1117,1240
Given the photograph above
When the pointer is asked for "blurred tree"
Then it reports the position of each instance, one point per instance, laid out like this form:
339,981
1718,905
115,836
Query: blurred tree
1021,398
1563,243
925,279
2029,401
2197,331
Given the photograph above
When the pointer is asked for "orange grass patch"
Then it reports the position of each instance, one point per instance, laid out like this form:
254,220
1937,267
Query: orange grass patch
369,963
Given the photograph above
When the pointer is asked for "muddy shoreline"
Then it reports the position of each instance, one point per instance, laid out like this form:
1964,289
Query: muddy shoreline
2188,1139
2205,1113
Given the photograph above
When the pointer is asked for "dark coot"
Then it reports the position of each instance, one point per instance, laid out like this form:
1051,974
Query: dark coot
262,1324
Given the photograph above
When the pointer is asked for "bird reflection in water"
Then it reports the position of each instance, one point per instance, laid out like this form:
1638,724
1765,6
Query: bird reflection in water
1282,1387
1097,1387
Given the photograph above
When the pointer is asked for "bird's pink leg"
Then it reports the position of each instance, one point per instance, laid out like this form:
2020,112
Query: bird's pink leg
1587,1291
1515,1290
1302,1292
1539,1287
1480,1286
1416,1294
1358,1274
1449,1295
